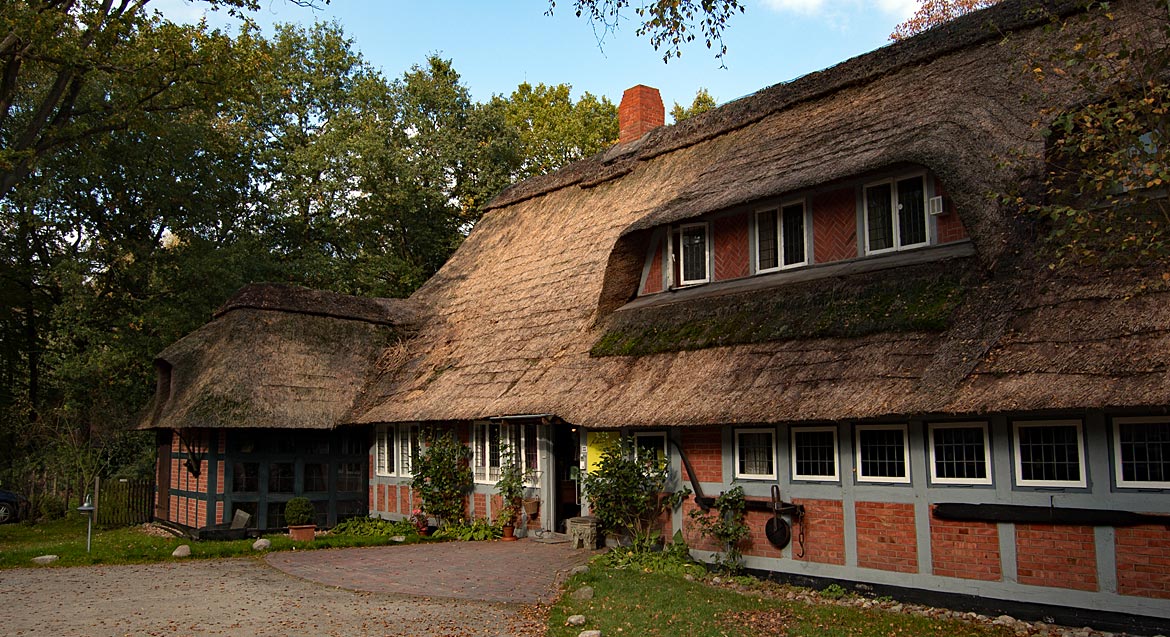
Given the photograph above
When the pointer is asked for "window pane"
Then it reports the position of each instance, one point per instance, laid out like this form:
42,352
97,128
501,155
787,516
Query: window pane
755,453
879,217
409,447
959,453
316,476
530,448
816,453
1049,453
246,477
766,239
493,452
281,476
793,233
349,477
694,254
651,448
911,211
1145,451
883,453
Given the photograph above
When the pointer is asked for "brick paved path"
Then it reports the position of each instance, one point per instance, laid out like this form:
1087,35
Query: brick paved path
521,572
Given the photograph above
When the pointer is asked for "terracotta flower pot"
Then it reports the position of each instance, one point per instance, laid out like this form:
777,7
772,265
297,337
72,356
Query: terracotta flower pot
302,532
509,533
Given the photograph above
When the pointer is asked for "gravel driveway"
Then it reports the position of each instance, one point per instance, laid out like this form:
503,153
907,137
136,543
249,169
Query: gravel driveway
230,597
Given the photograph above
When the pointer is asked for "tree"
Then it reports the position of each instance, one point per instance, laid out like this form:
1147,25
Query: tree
669,23
702,103
551,129
932,13
1104,194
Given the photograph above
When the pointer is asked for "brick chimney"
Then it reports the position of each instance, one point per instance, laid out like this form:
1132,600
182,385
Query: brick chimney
640,112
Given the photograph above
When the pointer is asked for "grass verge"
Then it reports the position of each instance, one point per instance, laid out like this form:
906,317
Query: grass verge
631,601
19,543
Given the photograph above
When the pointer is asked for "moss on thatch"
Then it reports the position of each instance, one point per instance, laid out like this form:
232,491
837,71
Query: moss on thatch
918,302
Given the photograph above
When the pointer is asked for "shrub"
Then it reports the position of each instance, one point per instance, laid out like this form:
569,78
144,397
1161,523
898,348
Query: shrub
442,477
52,507
626,494
726,525
373,527
299,511
473,531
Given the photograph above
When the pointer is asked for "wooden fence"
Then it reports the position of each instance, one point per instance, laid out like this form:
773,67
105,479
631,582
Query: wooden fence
123,502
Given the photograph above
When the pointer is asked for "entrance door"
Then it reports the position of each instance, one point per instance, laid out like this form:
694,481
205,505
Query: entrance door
566,465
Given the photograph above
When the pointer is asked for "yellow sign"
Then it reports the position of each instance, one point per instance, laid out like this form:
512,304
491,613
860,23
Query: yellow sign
597,443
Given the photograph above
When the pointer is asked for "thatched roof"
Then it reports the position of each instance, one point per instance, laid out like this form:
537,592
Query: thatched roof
515,319
275,356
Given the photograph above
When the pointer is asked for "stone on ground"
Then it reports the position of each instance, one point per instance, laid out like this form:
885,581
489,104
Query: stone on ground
45,559
575,620
582,594
184,550
590,633
580,570
262,544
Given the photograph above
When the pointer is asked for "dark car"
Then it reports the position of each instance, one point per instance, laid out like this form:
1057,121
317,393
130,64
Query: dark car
13,506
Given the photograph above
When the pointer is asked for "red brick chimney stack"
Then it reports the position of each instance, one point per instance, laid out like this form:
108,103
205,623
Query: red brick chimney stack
640,112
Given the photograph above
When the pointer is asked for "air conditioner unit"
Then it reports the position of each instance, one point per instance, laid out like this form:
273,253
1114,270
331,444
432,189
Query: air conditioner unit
935,206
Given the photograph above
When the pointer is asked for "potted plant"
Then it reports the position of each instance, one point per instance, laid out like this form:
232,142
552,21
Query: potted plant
419,520
299,515
510,488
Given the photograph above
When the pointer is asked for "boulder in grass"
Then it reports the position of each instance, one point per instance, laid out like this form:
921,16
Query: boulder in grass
45,559
261,545
184,550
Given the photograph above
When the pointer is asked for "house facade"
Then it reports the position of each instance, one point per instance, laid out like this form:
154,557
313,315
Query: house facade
822,288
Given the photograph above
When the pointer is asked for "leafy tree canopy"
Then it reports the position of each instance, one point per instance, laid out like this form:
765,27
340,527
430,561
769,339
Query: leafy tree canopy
702,103
932,13
669,23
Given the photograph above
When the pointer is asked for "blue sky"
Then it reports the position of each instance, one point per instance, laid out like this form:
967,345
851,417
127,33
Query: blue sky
496,45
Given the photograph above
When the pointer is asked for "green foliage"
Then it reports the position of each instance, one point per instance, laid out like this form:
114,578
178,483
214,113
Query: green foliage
551,129
673,559
510,485
725,523
626,494
51,507
834,591
1106,188
702,103
669,23
476,530
373,527
442,477
299,511
910,303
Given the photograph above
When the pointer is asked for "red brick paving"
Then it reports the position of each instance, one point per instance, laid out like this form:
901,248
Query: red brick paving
522,572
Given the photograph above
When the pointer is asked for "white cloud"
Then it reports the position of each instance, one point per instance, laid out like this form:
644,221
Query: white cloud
897,9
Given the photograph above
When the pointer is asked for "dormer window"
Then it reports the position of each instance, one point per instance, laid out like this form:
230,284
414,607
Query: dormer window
781,241
693,253
895,214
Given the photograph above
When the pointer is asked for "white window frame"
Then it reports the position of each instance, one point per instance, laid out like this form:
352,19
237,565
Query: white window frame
510,434
771,445
385,448
861,477
897,234
1017,458
405,433
836,477
981,425
776,212
682,266
1118,474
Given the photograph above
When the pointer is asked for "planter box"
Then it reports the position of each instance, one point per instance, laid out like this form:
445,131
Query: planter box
302,533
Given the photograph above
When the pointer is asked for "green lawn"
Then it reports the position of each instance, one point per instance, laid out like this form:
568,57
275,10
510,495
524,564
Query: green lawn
19,543
634,602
